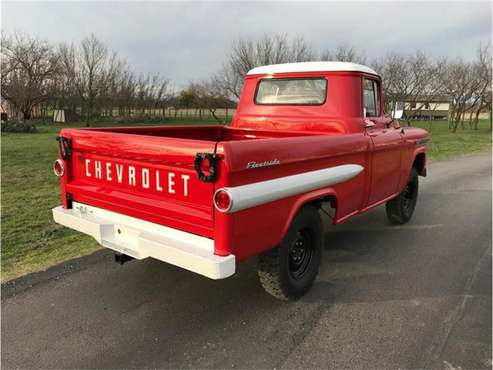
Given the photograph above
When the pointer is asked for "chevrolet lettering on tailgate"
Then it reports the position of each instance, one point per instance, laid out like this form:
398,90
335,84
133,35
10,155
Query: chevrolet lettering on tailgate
145,178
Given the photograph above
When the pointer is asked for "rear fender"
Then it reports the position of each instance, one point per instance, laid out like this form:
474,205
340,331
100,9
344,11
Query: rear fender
307,198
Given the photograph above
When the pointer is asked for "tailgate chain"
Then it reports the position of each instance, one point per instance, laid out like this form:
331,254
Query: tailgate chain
211,158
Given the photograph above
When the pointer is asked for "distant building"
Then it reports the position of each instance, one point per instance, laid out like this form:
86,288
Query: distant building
424,107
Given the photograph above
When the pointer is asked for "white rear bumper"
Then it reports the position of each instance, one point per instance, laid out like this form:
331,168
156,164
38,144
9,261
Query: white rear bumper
141,239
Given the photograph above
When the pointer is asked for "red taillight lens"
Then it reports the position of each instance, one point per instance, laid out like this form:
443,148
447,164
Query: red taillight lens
222,200
58,168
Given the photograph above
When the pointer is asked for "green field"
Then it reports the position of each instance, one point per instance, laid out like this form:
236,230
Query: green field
31,241
444,144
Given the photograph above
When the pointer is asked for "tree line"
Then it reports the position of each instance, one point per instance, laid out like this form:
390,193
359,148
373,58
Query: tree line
86,76
89,78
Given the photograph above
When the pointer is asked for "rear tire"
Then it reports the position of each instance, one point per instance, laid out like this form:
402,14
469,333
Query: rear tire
401,208
287,272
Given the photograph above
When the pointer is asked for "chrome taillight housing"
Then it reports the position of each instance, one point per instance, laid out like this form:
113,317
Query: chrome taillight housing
59,167
222,200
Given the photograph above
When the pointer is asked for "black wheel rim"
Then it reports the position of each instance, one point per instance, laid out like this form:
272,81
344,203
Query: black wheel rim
409,198
300,254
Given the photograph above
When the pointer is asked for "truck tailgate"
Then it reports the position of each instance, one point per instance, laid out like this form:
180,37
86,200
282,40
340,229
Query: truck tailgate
148,177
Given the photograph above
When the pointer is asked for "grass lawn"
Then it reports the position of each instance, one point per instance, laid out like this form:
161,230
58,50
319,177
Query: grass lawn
444,144
31,241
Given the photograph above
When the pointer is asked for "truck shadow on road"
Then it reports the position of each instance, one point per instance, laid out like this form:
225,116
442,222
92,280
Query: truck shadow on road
368,260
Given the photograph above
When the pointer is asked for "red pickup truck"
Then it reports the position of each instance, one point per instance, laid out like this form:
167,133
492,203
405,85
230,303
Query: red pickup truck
208,197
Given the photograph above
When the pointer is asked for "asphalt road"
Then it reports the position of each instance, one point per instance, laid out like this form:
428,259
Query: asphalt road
412,296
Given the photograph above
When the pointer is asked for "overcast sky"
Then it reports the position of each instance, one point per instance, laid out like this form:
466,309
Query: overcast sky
190,40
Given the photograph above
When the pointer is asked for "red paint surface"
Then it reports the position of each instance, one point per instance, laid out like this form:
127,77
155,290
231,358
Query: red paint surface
301,138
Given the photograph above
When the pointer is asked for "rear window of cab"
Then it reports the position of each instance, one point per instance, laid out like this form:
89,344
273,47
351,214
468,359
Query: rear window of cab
291,91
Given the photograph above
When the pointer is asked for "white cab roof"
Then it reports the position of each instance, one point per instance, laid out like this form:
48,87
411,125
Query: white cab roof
311,67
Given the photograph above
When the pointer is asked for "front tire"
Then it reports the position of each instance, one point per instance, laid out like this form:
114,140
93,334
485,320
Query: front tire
401,208
287,272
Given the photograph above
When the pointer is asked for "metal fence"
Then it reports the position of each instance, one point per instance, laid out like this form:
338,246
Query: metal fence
67,115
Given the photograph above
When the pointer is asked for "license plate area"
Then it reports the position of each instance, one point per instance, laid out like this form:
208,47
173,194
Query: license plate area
122,238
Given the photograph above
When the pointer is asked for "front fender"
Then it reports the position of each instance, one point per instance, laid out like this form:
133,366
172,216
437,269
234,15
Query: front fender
418,158
420,152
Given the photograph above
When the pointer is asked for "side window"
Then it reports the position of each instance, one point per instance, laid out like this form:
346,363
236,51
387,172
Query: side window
371,98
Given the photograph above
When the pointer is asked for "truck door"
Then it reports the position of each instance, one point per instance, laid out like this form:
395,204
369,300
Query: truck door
386,140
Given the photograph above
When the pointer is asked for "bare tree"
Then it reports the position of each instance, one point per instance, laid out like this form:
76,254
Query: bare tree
92,58
29,67
108,84
125,95
410,78
208,95
151,94
247,54
66,96
343,53
188,97
460,82
482,96
229,80
161,93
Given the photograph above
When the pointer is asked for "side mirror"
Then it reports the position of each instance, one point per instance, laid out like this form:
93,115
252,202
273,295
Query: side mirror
398,110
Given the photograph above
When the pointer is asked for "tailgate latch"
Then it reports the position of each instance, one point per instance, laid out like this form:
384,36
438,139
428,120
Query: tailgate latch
65,146
209,157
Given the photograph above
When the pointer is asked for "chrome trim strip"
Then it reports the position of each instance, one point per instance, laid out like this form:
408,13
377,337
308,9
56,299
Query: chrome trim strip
251,195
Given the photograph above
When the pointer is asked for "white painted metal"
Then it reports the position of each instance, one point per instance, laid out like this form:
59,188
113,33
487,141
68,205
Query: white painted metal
141,239
251,195
312,67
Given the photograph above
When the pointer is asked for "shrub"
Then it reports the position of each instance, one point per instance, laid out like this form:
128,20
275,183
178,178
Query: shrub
18,126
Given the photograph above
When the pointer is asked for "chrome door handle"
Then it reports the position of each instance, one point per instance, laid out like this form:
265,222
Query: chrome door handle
369,123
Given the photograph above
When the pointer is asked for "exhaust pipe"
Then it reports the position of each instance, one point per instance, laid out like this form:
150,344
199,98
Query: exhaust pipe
122,258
